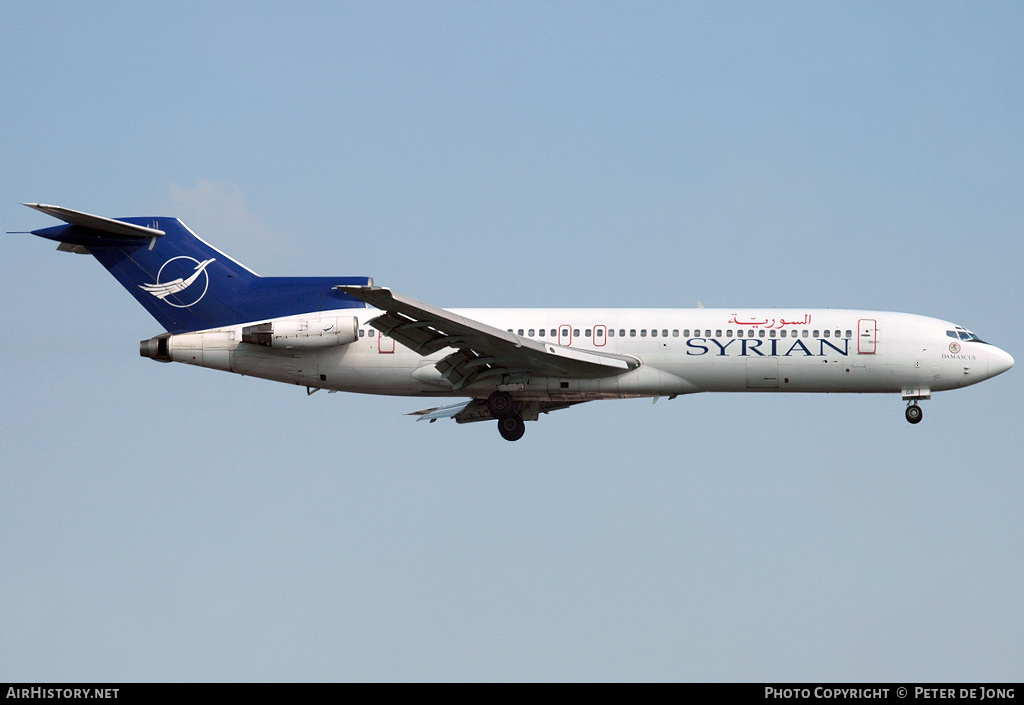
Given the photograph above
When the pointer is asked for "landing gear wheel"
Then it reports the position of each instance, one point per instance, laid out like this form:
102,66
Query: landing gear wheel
914,413
501,404
512,427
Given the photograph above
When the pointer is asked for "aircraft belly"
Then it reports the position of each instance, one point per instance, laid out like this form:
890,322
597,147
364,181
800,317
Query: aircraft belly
832,374
914,373
377,380
281,366
714,374
786,374
647,380
355,369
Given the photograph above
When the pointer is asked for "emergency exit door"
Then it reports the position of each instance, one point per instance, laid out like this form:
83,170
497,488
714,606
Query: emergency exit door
867,336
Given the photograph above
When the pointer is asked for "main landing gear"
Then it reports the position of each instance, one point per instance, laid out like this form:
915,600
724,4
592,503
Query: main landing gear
510,424
914,413
512,427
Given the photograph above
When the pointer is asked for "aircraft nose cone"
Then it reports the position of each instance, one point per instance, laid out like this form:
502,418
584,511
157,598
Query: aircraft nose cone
999,362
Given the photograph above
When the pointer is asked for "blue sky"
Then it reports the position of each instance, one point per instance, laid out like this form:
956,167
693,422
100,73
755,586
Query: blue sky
169,523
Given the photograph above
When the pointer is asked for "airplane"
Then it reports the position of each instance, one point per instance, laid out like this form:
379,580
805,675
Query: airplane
505,365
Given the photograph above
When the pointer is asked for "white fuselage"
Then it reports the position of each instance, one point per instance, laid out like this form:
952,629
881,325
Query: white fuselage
680,351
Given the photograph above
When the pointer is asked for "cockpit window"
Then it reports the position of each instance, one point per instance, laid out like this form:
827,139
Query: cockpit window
963,334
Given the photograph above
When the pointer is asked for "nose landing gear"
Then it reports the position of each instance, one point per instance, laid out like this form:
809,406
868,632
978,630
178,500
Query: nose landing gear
914,413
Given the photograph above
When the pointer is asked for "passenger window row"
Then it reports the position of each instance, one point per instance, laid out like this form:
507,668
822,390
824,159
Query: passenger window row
598,333
697,333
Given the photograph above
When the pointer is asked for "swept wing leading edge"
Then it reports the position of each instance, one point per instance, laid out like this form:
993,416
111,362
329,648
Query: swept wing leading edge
482,352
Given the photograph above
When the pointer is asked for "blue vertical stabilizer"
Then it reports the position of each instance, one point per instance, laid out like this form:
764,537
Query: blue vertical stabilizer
185,283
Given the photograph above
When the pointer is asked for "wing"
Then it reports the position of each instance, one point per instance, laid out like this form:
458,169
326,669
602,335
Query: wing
482,353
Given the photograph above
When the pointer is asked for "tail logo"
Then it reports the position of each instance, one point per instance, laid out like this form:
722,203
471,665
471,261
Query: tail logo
162,290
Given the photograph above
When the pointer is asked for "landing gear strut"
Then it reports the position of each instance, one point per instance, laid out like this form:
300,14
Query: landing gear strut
914,413
512,427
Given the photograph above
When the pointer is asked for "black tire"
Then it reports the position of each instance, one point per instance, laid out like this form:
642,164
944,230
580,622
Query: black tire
914,413
501,404
512,427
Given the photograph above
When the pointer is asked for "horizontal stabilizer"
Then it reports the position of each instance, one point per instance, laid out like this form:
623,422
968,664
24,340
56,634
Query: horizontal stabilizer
70,247
113,227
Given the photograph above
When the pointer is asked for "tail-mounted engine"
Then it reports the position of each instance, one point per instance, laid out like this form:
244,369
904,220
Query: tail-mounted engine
218,348
303,333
